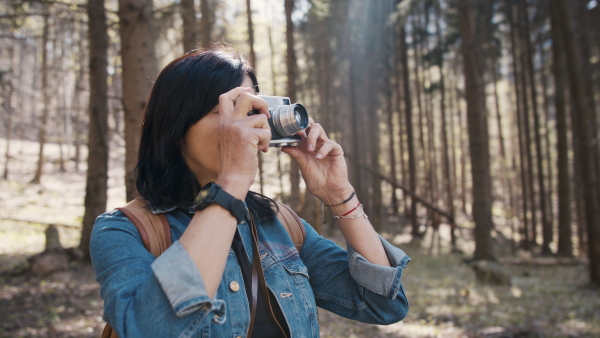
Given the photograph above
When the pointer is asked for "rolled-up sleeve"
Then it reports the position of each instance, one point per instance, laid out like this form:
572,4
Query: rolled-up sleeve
182,284
382,280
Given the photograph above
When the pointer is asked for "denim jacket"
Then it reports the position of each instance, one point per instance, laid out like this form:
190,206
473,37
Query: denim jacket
146,296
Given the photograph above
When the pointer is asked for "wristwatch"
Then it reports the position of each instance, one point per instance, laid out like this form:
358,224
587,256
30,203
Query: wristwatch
213,193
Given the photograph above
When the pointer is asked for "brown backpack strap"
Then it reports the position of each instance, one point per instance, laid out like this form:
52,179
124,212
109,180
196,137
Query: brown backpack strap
154,229
292,224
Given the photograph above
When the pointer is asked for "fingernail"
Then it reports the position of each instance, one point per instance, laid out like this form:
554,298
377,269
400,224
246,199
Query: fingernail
311,147
319,156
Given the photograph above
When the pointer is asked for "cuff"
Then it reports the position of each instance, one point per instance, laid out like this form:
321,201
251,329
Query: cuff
182,284
382,280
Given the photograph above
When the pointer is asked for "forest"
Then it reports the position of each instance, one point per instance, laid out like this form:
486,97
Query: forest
470,129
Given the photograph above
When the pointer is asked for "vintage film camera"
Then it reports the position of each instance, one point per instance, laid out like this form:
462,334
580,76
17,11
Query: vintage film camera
286,120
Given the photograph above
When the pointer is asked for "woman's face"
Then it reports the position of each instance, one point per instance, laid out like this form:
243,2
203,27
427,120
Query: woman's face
201,145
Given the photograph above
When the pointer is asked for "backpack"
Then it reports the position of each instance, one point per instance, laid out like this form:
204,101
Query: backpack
156,232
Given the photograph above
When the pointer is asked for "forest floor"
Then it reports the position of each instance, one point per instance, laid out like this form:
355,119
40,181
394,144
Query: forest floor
543,300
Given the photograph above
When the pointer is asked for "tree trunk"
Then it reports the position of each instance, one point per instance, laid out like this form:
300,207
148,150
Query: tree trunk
206,22
547,231
588,146
253,64
565,245
97,171
139,70
291,92
78,92
9,111
525,229
478,136
190,25
251,34
46,93
444,124
412,169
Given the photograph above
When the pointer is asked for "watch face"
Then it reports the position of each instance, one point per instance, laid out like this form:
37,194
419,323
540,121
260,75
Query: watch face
202,194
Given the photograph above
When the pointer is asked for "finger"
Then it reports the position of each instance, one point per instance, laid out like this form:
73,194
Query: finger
247,101
227,100
316,133
264,137
327,148
257,121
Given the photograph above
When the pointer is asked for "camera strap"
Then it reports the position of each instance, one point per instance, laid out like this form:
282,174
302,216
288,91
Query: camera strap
259,276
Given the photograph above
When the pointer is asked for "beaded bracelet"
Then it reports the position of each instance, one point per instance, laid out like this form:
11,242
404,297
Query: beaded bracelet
344,201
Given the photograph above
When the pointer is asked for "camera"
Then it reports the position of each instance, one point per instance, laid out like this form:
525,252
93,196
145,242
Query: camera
286,120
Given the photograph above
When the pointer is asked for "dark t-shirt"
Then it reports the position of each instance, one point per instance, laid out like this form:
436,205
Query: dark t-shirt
263,325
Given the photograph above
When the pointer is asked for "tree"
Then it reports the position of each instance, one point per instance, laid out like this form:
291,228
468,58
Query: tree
478,135
190,25
565,246
412,169
206,23
138,58
46,93
97,171
291,92
582,115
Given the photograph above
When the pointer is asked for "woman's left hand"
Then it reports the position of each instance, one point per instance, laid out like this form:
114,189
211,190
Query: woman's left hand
322,165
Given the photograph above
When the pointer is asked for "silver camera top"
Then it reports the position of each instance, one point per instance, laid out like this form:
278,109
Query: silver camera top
275,101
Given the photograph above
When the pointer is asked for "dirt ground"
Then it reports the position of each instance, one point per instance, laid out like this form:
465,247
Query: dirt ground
445,300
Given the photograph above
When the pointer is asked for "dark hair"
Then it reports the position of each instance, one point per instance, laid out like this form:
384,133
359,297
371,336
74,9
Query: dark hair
184,92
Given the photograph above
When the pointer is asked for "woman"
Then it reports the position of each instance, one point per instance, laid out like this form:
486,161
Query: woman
196,136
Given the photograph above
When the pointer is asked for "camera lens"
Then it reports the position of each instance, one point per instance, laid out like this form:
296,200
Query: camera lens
290,119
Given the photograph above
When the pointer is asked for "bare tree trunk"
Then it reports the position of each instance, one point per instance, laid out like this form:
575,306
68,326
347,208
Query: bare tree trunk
97,172
478,136
444,124
588,146
274,86
291,92
138,58
46,93
78,91
525,229
463,148
250,34
547,231
590,88
190,25
565,245
9,111
525,118
412,169
392,84
206,22
253,64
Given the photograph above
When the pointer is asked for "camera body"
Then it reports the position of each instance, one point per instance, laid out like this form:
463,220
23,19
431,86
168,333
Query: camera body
286,120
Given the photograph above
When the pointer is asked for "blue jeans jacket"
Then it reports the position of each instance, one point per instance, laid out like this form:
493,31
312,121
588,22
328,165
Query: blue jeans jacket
146,296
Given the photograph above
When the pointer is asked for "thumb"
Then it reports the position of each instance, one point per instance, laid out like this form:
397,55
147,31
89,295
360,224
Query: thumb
296,154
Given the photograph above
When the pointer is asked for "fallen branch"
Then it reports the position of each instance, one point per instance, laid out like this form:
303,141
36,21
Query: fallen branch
36,222
544,261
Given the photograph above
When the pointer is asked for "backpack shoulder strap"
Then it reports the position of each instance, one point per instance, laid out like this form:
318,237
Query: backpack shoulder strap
154,229
292,224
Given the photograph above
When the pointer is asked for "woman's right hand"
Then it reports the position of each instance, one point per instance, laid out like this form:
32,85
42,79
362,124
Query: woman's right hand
241,137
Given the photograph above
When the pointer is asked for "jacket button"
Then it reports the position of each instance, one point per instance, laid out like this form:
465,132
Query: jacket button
234,286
